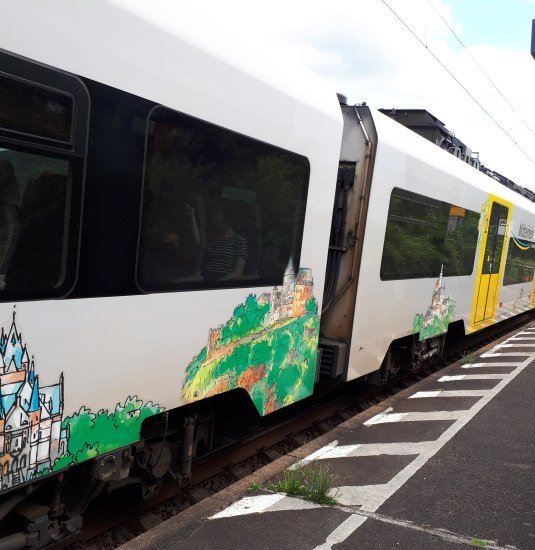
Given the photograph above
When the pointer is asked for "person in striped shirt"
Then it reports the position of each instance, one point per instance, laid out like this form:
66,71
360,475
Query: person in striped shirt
226,251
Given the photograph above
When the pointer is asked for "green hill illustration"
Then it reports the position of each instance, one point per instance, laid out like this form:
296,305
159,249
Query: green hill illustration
268,347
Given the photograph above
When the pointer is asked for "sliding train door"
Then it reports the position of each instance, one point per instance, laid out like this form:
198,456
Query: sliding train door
491,262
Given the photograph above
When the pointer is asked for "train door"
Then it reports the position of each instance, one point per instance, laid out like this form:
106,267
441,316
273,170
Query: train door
491,263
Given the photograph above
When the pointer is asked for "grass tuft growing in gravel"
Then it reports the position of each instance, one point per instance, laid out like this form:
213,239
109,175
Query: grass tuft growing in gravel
311,481
468,358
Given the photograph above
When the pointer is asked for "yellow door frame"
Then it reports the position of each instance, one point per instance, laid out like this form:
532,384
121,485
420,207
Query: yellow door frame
488,283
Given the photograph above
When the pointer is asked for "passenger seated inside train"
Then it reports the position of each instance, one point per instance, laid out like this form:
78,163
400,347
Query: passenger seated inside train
226,250
172,251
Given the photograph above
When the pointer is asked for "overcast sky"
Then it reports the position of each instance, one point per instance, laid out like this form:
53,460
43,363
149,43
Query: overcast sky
367,53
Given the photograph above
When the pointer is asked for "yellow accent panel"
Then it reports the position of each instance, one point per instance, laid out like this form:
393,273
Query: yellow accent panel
487,286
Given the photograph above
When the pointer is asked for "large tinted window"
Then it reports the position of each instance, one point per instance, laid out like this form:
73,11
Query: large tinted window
34,216
219,209
520,264
40,183
423,234
47,113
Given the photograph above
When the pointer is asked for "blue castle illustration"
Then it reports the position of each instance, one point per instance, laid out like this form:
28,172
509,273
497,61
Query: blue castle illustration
31,436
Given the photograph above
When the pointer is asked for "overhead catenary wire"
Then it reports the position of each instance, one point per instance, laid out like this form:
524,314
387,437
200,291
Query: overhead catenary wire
437,59
480,67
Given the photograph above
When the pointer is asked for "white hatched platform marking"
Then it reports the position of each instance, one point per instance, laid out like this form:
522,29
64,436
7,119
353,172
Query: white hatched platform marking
449,393
386,417
486,365
386,490
370,497
472,377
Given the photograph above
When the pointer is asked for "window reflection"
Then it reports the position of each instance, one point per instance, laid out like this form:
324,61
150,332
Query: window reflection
423,234
520,264
219,208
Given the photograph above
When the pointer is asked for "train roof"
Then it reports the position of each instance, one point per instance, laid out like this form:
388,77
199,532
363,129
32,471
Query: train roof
409,143
172,57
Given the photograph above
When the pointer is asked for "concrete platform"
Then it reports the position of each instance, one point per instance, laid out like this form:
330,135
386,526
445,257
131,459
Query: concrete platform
447,464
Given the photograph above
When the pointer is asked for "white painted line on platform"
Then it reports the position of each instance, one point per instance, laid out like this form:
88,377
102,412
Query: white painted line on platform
315,455
366,449
472,377
373,449
370,502
505,354
360,495
249,505
422,394
292,503
343,531
516,345
258,504
487,365
448,393
384,418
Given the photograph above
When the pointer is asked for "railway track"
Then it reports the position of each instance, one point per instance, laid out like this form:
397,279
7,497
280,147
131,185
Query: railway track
120,518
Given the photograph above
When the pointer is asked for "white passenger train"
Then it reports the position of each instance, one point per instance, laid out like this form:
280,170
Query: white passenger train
178,227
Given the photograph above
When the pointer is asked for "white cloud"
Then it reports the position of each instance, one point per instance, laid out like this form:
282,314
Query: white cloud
364,50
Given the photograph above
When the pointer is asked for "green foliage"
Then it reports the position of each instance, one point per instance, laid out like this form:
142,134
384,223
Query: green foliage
255,486
478,542
91,434
468,358
423,234
437,326
417,323
312,482
196,364
312,305
285,355
248,318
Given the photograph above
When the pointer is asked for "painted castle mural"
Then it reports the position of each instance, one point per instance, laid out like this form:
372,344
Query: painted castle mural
268,347
35,436
31,433
439,314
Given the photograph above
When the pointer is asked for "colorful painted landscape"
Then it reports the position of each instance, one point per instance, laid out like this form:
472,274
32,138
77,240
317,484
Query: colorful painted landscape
90,434
438,316
268,347
35,436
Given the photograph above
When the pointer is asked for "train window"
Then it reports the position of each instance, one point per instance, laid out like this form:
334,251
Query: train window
34,215
219,209
423,234
34,110
520,264
42,154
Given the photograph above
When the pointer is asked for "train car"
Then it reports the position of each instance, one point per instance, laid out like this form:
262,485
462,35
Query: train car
181,224
165,208
431,244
